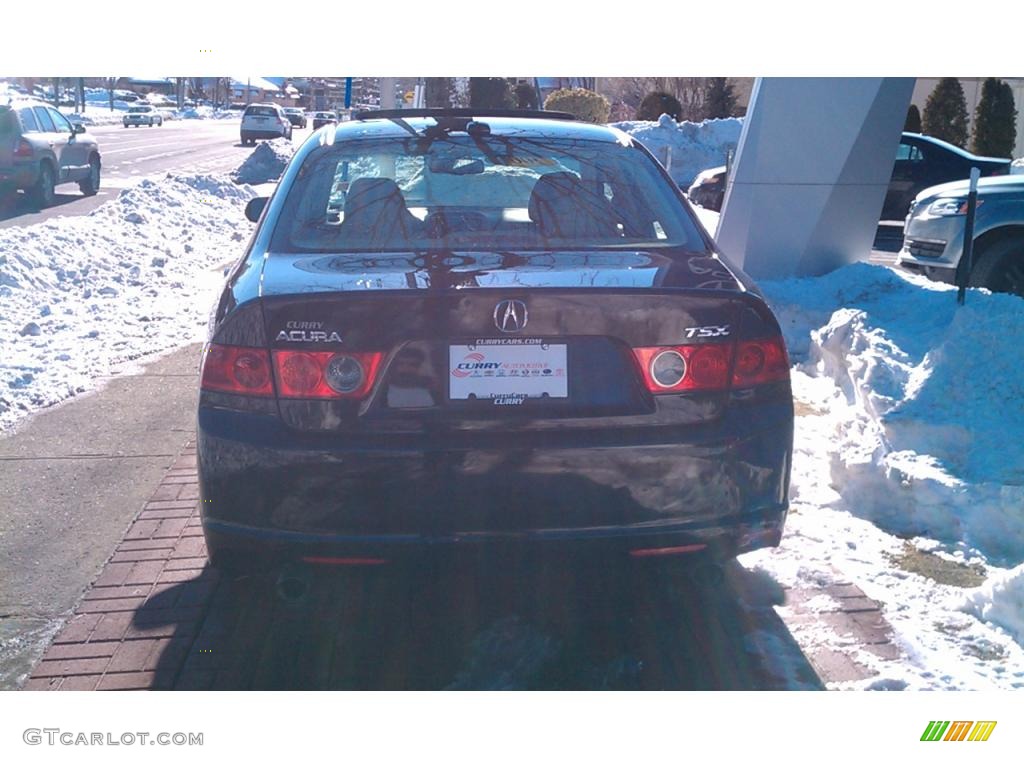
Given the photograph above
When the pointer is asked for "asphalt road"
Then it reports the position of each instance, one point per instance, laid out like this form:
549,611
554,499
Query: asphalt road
130,154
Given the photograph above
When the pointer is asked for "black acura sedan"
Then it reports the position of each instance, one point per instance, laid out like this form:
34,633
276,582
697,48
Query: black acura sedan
454,329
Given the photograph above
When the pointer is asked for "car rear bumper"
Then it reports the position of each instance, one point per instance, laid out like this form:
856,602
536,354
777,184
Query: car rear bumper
20,176
266,489
256,134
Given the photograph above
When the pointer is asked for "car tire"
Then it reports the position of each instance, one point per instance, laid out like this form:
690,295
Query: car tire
90,185
42,192
999,266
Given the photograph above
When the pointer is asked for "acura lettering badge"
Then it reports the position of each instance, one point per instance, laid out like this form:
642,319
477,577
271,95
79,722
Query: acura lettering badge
510,315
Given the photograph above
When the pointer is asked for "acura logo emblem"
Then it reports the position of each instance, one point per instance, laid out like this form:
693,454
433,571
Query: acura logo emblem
510,315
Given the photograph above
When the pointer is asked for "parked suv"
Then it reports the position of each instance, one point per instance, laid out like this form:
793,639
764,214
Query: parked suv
934,233
264,121
40,148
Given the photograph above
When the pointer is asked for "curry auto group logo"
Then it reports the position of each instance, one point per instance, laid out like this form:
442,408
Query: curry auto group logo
958,730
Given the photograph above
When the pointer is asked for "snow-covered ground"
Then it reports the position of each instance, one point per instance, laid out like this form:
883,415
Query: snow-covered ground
266,163
686,148
908,474
80,295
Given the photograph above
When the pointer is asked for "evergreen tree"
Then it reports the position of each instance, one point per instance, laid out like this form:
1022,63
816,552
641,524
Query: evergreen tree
439,91
658,103
526,96
995,120
719,98
945,112
490,93
913,121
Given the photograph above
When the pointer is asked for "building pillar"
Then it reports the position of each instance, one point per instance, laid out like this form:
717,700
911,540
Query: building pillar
813,163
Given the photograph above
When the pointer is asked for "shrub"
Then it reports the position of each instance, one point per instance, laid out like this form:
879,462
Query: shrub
659,103
945,112
584,104
995,120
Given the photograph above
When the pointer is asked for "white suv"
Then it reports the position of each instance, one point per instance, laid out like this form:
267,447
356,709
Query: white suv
264,121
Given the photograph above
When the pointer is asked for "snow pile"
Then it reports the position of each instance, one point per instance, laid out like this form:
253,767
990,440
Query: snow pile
694,146
266,163
931,444
1000,601
1017,166
79,295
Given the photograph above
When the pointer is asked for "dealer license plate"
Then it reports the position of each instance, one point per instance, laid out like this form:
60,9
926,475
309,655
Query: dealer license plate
507,369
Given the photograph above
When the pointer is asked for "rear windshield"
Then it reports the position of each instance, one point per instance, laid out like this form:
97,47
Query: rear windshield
493,193
267,111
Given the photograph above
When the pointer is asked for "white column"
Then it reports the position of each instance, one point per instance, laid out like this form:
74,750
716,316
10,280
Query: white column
811,170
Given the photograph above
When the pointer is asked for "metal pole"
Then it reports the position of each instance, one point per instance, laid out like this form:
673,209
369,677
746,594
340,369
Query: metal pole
963,269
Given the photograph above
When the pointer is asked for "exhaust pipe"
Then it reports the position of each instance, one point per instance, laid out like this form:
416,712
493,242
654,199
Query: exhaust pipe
293,582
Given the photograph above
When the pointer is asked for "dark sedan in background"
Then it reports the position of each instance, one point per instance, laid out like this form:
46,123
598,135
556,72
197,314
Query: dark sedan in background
296,116
458,330
921,162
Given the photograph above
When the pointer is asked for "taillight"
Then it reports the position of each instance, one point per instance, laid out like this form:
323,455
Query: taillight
325,374
686,368
238,370
23,149
706,367
760,362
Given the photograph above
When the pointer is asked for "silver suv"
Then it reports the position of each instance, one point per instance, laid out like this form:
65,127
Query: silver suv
264,121
40,148
934,233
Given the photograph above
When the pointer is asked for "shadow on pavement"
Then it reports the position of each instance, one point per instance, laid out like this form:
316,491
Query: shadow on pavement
505,623
14,204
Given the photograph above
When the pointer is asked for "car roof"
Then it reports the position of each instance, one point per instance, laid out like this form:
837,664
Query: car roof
20,103
367,126
951,147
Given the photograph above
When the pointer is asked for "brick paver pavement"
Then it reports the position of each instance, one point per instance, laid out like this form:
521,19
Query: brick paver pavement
136,624
159,617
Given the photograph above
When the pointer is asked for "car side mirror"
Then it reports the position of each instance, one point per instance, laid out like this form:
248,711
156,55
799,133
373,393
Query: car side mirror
254,208
77,128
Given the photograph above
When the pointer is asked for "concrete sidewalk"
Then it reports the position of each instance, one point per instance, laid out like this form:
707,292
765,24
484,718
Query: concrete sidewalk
72,479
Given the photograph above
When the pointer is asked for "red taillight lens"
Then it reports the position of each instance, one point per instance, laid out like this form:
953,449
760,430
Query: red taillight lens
239,370
760,362
705,367
23,149
326,374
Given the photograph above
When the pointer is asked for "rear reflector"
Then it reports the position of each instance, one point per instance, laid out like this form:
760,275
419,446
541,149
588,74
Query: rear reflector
660,551
344,560
239,370
325,374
